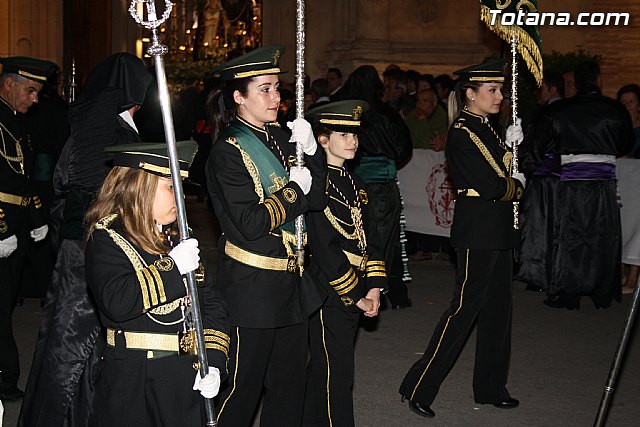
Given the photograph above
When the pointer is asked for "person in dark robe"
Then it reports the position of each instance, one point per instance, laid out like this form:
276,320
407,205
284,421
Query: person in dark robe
589,132
65,365
385,146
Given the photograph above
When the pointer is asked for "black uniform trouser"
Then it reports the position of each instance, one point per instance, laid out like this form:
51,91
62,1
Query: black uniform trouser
483,292
10,272
271,359
134,391
383,211
329,400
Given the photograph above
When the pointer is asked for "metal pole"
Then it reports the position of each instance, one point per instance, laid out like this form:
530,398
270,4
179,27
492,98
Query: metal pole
514,116
617,361
299,114
156,50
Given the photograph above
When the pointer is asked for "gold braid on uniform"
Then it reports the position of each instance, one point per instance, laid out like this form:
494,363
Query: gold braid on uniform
334,222
216,340
346,283
251,168
483,149
151,285
511,186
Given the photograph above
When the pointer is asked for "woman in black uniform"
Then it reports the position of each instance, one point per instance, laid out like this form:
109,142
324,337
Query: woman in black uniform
134,268
348,269
256,195
479,164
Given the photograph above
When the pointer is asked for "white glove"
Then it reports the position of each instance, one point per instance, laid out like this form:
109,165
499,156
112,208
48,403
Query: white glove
209,385
520,177
302,177
8,245
515,135
39,233
301,132
186,255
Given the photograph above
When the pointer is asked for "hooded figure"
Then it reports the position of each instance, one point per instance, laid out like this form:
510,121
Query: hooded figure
60,389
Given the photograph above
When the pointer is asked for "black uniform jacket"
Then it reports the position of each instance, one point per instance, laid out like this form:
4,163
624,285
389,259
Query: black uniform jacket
132,287
479,168
259,298
16,217
333,240
590,123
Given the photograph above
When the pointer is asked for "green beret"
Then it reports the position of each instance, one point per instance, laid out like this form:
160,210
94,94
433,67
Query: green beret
339,115
264,60
153,157
31,68
490,71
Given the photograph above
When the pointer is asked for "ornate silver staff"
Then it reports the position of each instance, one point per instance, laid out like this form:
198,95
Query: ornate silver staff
514,117
156,50
299,114
72,86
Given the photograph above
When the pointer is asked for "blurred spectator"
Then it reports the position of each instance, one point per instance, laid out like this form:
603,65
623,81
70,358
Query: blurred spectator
334,78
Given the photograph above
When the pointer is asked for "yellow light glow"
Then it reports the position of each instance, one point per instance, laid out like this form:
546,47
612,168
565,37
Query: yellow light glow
225,45
188,31
146,39
206,44
182,48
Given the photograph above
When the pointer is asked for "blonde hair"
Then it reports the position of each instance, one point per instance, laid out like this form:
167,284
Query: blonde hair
129,193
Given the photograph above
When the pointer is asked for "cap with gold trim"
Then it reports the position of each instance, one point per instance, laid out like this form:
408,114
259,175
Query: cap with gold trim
31,68
490,71
153,157
264,60
339,116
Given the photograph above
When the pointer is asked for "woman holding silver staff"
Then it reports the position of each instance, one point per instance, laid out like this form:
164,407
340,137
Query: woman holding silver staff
484,237
135,264
256,195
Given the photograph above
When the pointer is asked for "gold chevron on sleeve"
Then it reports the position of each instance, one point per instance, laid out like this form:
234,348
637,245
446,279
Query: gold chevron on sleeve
159,283
151,286
276,211
376,269
346,283
511,188
144,290
216,340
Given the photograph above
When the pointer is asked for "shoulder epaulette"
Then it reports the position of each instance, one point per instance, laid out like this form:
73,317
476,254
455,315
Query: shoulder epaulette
106,222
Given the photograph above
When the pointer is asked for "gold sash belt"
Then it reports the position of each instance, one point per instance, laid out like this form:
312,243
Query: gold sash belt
15,200
469,192
260,261
145,340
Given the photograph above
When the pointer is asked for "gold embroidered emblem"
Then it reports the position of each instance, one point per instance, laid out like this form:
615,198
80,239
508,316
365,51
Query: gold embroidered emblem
356,112
3,227
200,275
292,264
364,197
507,159
187,343
347,301
289,195
164,264
278,182
276,57
291,161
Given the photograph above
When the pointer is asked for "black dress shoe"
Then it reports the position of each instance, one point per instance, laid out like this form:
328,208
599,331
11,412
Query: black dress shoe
11,393
508,403
401,306
570,302
422,410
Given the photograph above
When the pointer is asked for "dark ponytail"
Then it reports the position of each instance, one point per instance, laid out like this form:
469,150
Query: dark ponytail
221,108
